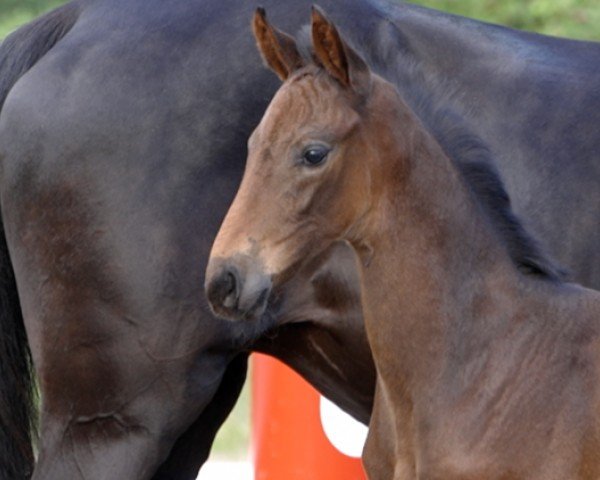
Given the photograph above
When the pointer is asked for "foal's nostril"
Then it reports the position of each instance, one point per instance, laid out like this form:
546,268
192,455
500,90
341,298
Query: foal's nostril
224,289
231,290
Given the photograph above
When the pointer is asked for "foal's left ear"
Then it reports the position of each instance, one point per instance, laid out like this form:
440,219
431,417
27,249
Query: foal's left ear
277,48
338,59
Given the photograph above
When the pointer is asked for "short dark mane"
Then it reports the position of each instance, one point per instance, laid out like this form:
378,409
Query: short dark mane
474,161
470,155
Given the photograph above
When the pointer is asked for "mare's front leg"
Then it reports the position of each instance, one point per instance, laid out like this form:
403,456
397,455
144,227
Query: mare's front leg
192,448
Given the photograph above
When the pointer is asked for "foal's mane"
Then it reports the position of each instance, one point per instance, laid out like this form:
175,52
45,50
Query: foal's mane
474,161
432,102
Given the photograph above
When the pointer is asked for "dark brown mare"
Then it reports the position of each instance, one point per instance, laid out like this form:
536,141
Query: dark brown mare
485,370
123,129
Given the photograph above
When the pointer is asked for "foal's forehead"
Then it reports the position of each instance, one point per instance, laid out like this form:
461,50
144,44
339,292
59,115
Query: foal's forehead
304,100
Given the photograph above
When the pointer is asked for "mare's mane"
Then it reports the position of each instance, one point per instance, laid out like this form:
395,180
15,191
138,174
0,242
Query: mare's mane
431,101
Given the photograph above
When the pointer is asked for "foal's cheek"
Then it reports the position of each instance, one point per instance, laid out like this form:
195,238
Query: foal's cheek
345,198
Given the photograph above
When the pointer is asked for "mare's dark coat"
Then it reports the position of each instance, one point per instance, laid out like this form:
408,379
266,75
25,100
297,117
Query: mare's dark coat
122,140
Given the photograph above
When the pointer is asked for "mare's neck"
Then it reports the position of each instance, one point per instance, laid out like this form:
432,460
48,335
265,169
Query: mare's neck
434,268
450,46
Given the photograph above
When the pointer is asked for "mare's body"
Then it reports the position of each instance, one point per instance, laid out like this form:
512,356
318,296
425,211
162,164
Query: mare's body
485,369
122,137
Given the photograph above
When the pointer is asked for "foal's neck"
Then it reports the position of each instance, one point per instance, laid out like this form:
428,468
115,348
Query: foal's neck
434,267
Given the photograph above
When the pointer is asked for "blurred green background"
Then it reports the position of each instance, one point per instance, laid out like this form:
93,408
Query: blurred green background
564,18
14,13
567,18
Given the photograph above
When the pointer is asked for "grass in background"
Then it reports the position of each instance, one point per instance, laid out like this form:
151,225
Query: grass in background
565,18
233,439
14,13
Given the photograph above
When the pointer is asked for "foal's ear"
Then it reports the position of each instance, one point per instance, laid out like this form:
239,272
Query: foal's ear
278,49
338,59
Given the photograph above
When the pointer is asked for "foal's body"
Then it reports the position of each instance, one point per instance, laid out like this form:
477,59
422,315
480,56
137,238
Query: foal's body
495,373
485,371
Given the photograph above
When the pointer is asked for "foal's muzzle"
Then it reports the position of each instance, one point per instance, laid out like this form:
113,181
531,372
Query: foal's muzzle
237,289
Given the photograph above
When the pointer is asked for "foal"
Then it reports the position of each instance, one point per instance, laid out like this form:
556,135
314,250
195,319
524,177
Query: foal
484,371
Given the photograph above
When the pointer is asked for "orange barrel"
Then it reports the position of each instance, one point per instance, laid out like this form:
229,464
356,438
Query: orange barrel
288,439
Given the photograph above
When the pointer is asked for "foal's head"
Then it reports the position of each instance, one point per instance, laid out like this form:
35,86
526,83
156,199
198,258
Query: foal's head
312,174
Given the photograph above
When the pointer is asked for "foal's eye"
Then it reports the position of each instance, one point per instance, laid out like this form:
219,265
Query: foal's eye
315,155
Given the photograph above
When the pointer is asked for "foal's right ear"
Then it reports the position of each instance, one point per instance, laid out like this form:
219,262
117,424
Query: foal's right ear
278,49
336,56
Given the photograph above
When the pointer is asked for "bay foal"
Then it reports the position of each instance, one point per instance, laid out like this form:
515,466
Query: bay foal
484,371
